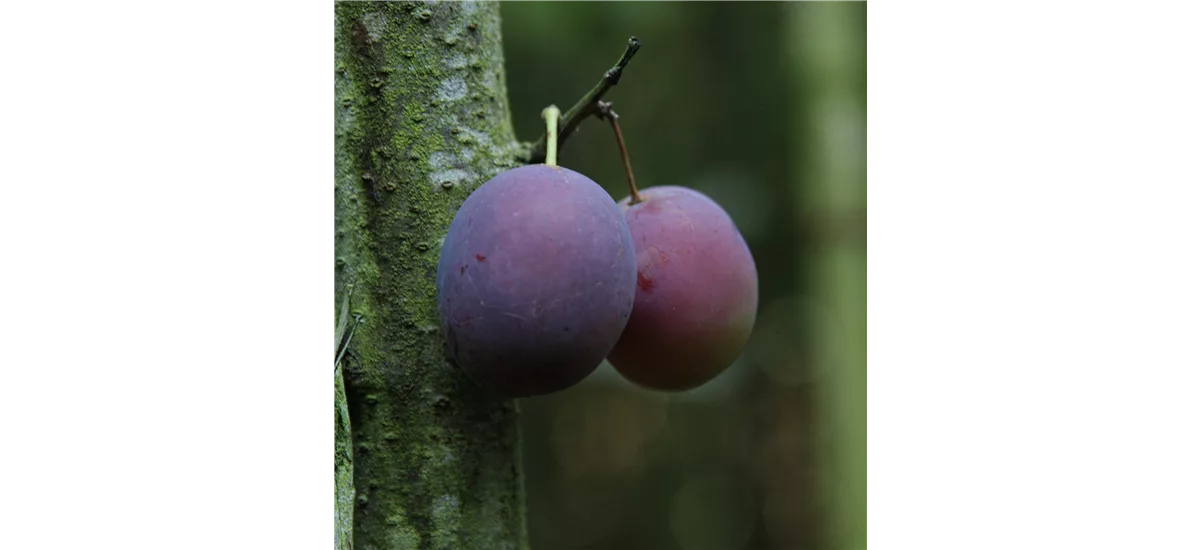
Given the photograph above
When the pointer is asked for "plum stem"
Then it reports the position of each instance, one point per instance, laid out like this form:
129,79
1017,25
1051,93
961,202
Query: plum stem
605,111
585,107
552,114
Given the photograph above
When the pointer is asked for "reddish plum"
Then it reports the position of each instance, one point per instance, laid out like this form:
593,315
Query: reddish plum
697,291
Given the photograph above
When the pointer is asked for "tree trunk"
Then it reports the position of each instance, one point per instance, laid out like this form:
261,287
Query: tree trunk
421,119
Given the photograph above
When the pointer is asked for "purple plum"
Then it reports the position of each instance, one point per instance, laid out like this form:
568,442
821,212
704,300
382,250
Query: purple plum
536,280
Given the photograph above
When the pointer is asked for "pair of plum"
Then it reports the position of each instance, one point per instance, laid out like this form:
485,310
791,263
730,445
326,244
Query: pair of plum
542,276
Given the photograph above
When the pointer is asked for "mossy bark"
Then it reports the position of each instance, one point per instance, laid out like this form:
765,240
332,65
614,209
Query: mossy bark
343,467
421,119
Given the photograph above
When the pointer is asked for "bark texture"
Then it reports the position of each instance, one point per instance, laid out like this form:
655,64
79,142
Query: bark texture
421,119
343,468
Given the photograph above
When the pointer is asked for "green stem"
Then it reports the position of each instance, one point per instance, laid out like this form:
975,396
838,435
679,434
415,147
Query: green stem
585,107
551,114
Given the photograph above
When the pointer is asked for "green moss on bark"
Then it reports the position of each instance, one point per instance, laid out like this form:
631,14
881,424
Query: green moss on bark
421,120
343,468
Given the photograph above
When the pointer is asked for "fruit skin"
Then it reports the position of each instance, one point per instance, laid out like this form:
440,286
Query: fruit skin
536,280
697,295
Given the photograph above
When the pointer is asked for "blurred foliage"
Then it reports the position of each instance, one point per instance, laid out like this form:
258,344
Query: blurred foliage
762,106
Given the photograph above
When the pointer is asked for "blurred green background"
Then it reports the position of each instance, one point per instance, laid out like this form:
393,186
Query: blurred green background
762,106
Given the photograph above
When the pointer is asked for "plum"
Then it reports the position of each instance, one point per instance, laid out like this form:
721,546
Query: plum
536,280
697,291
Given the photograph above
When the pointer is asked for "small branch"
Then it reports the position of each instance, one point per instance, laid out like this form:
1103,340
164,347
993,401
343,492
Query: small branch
585,107
605,111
